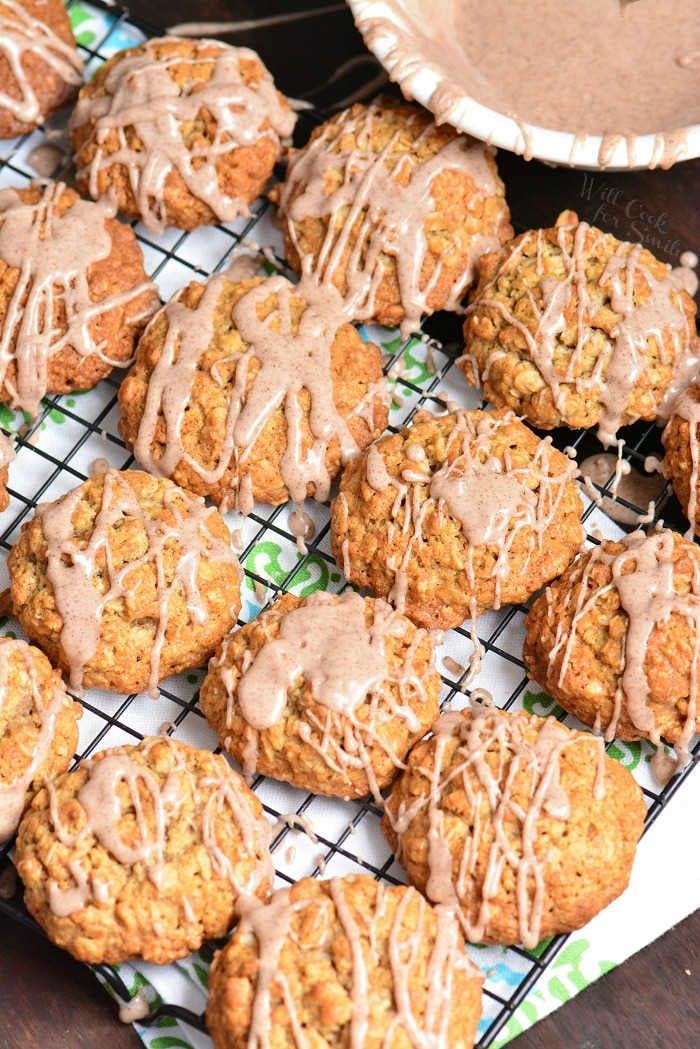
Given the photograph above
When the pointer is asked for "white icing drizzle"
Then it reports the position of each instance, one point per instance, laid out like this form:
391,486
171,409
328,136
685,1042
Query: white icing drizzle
22,35
494,501
72,566
648,597
13,794
327,642
115,772
53,254
618,367
421,1022
142,99
289,361
451,879
370,214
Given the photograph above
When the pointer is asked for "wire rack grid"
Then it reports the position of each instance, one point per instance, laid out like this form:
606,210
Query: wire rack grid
313,835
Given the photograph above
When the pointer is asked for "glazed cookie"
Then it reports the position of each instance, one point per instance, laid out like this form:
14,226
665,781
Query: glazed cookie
40,68
352,961
571,327
393,210
681,439
523,825
328,693
254,389
7,454
74,296
125,580
143,851
457,514
180,132
38,728
616,640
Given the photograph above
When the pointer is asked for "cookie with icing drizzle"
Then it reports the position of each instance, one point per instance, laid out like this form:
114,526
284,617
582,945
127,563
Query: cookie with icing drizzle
180,132
456,514
570,326
681,464
143,851
522,825
125,580
40,68
74,296
328,693
616,641
392,210
253,389
38,728
355,962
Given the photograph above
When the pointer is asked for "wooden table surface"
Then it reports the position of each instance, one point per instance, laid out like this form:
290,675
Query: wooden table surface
47,1001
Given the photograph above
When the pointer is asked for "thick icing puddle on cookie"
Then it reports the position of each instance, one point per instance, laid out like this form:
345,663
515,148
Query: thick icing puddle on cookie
342,676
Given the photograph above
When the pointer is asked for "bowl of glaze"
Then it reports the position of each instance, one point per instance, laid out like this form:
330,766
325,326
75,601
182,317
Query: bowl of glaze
622,75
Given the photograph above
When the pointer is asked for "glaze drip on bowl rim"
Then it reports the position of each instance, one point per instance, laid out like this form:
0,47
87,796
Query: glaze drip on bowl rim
399,40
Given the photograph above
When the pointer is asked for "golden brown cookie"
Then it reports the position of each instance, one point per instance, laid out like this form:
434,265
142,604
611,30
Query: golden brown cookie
74,296
254,389
7,454
572,327
681,439
351,963
40,68
181,132
456,514
125,580
38,728
525,826
616,640
142,851
328,693
393,210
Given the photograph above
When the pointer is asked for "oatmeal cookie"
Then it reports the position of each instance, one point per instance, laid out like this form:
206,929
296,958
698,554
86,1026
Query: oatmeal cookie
180,132
616,640
681,439
40,68
7,454
38,728
525,826
456,514
142,852
350,960
328,693
253,389
125,580
392,209
571,327
74,296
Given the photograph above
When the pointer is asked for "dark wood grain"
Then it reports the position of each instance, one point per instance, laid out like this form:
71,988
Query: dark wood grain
47,1001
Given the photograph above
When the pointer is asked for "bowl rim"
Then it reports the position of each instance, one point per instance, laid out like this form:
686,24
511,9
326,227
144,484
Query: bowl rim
614,152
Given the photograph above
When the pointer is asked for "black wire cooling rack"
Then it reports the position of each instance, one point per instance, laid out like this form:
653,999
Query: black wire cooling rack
54,453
